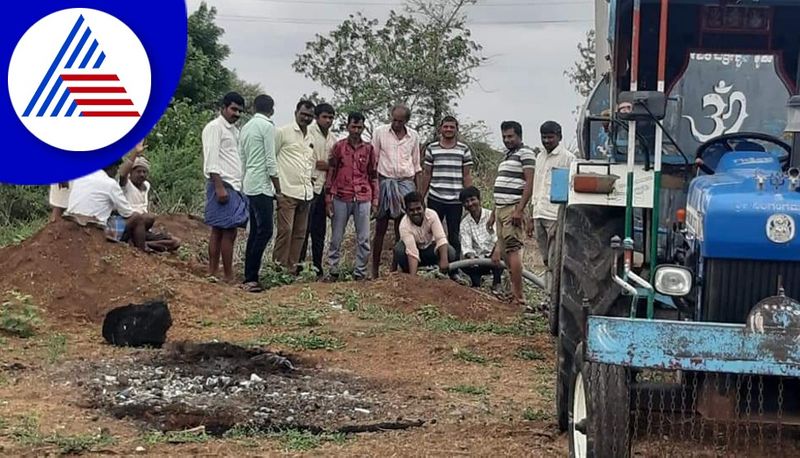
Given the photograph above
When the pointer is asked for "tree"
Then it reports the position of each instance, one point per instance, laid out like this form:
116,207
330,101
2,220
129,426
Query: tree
581,74
204,78
423,57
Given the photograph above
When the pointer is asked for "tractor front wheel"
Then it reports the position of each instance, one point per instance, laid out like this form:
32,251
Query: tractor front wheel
600,412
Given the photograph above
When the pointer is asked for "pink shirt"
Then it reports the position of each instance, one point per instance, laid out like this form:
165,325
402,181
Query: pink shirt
397,157
420,237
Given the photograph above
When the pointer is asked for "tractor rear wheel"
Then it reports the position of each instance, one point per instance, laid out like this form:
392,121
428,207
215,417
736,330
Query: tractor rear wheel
585,273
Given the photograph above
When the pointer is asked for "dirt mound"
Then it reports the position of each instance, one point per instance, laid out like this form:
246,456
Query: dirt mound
73,272
408,293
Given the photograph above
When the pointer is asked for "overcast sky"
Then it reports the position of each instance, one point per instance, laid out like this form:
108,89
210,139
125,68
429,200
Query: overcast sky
529,42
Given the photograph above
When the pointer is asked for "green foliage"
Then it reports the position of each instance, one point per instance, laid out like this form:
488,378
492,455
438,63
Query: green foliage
299,440
536,415
423,57
27,433
468,356
469,389
304,341
19,316
434,320
349,299
529,354
20,204
56,346
176,437
581,74
204,78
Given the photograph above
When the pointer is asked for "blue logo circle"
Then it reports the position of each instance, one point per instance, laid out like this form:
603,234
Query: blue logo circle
86,81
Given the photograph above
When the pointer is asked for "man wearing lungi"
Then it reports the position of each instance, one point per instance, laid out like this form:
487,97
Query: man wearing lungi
397,147
226,207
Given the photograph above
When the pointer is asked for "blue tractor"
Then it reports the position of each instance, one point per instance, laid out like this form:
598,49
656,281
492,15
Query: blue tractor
676,278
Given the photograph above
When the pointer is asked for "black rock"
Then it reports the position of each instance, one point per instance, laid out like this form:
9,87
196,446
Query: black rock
138,325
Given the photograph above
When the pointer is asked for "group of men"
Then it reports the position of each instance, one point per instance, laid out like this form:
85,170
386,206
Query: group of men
311,176
116,199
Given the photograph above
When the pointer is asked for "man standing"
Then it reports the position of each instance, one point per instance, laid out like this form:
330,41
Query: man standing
323,143
478,240
397,148
260,184
294,149
545,213
351,190
512,192
226,207
422,241
446,171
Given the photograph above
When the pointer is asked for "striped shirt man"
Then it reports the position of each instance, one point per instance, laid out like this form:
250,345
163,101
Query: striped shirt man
447,170
510,181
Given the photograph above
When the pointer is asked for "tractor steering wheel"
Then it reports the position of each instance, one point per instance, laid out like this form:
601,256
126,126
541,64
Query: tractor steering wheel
725,140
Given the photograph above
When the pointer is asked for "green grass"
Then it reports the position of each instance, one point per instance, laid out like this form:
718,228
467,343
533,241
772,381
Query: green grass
257,318
298,441
468,356
529,354
56,346
27,433
350,300
435,320
308,295
469,389
15,234
19,316
391,319
536,415
304,341
175,437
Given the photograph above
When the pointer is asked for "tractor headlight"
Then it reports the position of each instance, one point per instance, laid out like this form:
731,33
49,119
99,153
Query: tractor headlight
673,280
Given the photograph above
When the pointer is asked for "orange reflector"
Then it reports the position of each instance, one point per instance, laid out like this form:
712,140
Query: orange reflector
680,215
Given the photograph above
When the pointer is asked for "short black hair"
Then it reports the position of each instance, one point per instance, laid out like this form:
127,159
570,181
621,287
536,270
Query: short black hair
466,193
506,125
402,107
355,116
110,167
304,103
264,104
412,197
232,97
324,108
449,118
550,127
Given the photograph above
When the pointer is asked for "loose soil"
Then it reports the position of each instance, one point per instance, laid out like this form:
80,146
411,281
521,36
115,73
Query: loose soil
400,366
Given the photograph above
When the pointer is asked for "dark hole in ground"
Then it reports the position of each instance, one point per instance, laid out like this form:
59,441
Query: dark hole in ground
221,386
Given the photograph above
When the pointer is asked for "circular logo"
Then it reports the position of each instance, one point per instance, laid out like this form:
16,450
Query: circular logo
780,228
79,79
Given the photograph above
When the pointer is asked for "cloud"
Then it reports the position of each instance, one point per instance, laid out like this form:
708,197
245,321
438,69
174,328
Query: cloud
523,81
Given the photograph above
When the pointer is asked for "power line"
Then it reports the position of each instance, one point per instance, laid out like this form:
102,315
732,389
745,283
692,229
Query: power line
321,21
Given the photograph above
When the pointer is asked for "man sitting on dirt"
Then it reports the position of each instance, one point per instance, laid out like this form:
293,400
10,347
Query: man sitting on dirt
422,239
92,200
133,180
477,240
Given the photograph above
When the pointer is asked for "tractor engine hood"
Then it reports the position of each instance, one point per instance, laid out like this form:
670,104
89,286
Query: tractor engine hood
749,209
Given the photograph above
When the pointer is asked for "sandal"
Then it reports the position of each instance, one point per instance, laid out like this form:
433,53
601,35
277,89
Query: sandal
252,287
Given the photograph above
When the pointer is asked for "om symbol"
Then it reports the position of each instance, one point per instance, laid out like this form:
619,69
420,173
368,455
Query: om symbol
723,111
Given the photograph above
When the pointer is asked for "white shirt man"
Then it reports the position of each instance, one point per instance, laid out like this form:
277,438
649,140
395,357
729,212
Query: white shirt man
97,195
221,152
